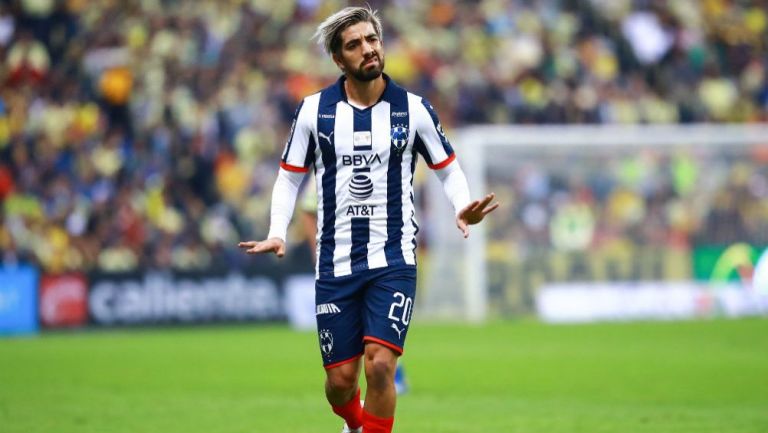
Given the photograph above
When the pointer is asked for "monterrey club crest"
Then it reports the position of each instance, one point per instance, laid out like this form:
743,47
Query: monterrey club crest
326,342
399,136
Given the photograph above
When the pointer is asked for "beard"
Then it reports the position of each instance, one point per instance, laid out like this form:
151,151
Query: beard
363,74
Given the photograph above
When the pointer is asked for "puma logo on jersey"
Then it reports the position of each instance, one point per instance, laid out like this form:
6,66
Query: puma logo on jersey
327,309
399,331
327,137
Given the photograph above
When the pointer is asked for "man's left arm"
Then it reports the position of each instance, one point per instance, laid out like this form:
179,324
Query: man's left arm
433,145
457,190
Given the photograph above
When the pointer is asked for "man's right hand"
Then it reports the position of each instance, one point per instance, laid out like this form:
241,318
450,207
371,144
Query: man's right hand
271,245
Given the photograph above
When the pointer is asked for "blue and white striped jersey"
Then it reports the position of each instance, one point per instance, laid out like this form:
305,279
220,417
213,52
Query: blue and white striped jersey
364,161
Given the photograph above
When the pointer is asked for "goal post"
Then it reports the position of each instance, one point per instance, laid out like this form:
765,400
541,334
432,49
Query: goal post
543,175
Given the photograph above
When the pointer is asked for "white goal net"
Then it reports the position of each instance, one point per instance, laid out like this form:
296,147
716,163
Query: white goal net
595,205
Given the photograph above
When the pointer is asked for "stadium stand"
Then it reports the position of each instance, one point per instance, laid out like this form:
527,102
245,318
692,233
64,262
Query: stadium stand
146,133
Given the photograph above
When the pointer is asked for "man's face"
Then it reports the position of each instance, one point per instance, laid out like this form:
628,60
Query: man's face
361,54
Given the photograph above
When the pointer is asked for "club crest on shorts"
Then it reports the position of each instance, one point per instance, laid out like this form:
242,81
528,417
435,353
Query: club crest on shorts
399,136
326,342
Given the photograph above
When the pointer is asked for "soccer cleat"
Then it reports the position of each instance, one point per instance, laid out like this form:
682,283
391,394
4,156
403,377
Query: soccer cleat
346,429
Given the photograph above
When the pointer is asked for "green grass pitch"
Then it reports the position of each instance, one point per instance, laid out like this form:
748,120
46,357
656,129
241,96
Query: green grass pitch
697,377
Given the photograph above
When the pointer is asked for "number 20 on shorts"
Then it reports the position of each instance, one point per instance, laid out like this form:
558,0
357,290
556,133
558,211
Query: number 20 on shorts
404,303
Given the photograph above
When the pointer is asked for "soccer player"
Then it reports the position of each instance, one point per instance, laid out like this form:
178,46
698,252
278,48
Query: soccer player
362,136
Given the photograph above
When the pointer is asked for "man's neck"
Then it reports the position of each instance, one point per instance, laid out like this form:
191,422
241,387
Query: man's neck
364,93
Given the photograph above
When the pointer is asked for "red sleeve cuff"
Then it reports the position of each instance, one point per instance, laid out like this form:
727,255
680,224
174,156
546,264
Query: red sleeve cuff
444,163
293,168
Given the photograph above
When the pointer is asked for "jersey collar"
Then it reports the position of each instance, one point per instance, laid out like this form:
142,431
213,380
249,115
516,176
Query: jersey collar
337,92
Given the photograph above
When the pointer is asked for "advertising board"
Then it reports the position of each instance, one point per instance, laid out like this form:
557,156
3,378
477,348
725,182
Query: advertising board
63,300
158,297
18,300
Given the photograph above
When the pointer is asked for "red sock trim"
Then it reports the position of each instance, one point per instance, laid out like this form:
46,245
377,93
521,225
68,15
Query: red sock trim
351,411
374,424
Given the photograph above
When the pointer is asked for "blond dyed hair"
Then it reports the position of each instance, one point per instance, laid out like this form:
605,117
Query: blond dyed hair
328,33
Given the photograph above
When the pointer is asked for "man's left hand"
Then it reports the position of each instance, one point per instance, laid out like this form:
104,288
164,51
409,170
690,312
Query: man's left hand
474,213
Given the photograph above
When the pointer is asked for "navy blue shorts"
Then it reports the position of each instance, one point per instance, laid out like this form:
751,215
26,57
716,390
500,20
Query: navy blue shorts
372,305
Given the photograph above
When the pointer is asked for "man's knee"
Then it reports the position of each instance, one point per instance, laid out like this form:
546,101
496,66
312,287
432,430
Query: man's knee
342,380
380,365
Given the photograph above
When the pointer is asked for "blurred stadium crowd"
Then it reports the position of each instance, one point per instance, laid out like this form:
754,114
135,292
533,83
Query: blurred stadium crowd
146,133
661,199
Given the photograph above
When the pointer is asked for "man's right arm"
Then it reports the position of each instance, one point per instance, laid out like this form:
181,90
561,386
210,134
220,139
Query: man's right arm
284,195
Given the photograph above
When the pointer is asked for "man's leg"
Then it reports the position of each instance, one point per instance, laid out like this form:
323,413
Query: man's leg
380,397
339,324
343,392
341,382
387,314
